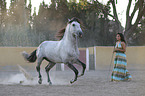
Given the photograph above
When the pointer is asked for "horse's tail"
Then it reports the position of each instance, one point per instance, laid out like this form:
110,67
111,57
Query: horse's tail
31,58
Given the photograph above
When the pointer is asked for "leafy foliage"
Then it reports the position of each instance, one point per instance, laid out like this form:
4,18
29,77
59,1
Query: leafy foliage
20,28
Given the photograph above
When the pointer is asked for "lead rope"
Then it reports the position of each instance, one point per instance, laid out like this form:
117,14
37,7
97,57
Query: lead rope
110,65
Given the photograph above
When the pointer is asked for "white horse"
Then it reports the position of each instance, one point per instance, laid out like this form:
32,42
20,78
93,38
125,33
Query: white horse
64,51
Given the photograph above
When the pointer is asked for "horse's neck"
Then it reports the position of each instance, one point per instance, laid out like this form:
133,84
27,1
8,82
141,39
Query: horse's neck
69,40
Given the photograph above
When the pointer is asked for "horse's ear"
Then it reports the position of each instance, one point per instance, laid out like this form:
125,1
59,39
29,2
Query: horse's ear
69,20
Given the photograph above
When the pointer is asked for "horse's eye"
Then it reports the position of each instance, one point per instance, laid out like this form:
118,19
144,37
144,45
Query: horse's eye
73,25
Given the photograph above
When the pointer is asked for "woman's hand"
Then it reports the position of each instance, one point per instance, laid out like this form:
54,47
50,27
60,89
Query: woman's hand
115,49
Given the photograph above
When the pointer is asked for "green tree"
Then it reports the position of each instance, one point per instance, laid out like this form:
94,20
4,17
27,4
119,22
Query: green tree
51,19
24,29
130,27
17,24
2,18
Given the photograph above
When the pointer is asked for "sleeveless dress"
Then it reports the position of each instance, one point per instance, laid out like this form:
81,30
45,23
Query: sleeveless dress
120,73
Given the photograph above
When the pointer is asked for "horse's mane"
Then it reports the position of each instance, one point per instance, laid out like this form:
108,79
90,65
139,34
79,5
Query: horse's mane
59,35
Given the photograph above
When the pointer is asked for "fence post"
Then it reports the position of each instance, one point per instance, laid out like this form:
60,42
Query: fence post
87,59
91,58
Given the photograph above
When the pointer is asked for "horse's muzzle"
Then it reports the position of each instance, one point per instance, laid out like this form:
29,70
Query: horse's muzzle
80,34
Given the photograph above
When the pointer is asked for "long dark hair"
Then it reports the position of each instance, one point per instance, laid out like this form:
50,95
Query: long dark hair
122,37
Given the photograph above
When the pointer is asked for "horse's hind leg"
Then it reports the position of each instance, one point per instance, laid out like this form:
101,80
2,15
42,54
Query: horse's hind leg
47,68
75,71
38,69
83,65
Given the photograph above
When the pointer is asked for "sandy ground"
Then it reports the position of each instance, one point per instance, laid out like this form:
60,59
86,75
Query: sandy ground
93,83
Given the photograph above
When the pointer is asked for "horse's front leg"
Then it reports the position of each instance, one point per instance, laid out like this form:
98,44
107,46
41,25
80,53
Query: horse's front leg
83,65
75,71
47,68
38,70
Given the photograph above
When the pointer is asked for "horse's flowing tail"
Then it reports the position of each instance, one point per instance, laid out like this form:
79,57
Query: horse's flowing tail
31,58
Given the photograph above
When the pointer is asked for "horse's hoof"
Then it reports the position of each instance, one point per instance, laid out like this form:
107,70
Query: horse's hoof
21,82
40,81
50,83
72,81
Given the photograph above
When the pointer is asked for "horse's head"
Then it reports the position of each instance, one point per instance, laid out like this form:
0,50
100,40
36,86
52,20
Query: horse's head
74,27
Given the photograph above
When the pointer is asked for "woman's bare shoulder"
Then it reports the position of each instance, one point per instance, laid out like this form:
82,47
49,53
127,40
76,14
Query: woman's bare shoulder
123,43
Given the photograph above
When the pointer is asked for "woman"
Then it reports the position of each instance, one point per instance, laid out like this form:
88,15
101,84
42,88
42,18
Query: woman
120,73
